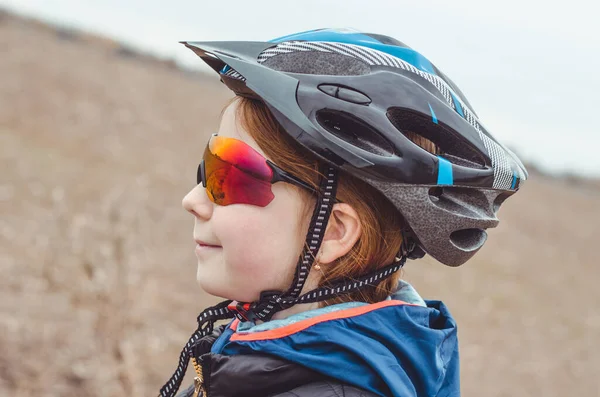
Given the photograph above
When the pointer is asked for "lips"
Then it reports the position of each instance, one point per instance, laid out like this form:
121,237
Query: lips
206,244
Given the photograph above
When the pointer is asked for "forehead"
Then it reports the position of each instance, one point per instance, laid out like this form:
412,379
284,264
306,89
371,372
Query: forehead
231,127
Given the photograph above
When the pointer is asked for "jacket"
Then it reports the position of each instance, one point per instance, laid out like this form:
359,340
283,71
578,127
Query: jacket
391,348
260,375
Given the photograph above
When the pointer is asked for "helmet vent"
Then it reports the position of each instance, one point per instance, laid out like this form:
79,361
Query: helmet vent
427,135
354,131
500,199
313,62
468,239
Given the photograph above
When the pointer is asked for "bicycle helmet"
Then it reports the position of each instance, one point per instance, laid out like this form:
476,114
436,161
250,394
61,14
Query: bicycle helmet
351,98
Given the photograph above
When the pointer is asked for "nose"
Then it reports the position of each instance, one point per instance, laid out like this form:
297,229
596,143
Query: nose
197,203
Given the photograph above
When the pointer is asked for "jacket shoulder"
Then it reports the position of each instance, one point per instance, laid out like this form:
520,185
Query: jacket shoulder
326,389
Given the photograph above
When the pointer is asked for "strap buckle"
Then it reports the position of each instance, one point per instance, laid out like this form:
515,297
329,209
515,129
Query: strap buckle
268,304
242,311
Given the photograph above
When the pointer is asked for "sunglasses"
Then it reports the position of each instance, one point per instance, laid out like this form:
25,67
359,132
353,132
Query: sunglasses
234,173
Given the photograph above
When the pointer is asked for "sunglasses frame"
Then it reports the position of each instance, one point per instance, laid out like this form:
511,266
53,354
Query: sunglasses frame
279,175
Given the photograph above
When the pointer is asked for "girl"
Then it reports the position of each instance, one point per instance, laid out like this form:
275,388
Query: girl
342,155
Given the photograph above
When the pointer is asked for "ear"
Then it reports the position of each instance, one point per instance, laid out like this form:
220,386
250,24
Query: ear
342,232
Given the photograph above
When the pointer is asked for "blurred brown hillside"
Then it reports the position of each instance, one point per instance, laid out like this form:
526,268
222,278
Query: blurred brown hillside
99,144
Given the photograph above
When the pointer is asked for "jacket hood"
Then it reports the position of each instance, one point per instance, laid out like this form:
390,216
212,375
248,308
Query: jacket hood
391,348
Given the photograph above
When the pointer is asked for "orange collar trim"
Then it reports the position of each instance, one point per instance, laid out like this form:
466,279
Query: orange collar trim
288,330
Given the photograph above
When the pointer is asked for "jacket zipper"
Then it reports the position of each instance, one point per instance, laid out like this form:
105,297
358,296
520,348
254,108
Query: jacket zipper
199,390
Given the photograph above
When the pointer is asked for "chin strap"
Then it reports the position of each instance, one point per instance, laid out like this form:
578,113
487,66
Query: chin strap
271,302
206,321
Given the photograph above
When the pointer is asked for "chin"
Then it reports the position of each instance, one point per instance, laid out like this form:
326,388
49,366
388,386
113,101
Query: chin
208,284
214,288
215,282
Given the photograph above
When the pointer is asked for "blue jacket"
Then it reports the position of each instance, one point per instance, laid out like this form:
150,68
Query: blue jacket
391,348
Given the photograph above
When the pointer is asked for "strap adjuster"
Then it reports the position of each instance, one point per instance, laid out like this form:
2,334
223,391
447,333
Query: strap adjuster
266,306
242,311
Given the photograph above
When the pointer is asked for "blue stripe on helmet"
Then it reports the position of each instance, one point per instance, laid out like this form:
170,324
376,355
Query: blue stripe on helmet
514,181
433,116
457,104
445,176
349,37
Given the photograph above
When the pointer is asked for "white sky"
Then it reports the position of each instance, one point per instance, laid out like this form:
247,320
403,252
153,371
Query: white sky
530,68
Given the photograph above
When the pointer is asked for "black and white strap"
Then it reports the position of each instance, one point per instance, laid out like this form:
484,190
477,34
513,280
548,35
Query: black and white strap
314,237
348,286
206,321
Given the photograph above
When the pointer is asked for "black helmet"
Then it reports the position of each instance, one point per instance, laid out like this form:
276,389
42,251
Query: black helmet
354,100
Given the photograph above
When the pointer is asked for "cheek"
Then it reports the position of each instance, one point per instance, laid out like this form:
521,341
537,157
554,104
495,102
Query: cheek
262,245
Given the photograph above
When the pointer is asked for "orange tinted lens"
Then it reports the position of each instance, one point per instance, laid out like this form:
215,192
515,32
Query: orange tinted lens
236,173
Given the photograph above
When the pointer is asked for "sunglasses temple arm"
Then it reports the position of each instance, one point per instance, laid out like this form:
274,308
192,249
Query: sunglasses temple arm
201,177
280,175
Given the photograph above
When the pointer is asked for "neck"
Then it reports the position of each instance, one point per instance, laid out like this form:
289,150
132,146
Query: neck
311,283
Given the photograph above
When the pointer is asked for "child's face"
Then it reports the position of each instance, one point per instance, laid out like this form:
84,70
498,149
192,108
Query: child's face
259,246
